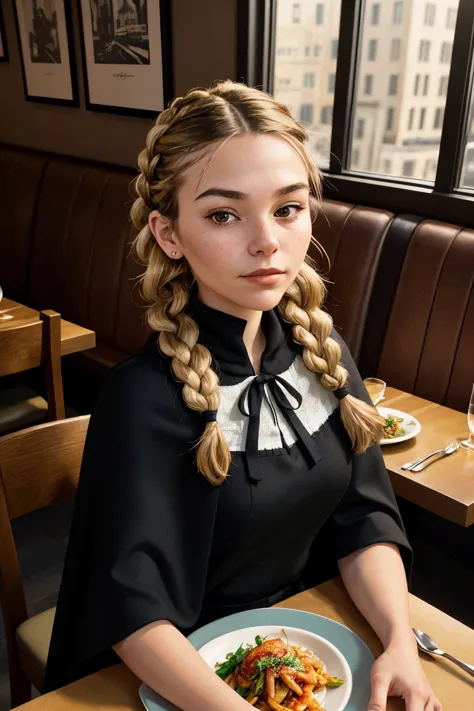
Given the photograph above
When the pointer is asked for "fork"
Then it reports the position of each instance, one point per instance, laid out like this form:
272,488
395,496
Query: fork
449,449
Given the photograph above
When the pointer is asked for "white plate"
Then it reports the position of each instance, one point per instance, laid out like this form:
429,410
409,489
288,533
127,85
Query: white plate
335,662
409,423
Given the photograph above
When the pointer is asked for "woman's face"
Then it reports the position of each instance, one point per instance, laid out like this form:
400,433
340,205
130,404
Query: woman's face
243,208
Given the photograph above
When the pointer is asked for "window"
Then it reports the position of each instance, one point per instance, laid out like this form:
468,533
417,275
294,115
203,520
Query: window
331,83
446,51
390,117
316,50
430,14
451,18
408,168
319,13
308,79
307,51
372,49
375,14
368,83
296,13
411,118
306,113
326,114
360,128
395,50
355,157
438,119
393,85
387,166
417,84
334,48
443,86
421,125
424,51
426,84
397,13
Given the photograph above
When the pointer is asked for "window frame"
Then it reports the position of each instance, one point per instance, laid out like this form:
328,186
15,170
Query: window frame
445,199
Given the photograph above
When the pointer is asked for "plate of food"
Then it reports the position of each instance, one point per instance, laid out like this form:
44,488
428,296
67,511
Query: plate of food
399,426
270,655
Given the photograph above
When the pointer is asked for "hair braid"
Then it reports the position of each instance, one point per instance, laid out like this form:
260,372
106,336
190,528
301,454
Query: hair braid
322,354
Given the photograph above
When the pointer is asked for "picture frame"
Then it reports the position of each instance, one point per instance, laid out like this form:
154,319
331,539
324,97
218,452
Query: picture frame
3,39
126,52
45,41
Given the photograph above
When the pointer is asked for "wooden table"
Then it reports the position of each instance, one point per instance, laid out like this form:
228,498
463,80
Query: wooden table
73,338
446,487
116,689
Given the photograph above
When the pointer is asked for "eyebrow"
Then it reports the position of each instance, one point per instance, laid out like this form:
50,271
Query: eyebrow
237,195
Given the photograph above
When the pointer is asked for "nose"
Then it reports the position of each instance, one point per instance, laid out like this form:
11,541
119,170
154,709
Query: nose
264,241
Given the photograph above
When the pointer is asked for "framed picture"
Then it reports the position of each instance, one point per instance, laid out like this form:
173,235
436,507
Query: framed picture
127,55
46,50
3,43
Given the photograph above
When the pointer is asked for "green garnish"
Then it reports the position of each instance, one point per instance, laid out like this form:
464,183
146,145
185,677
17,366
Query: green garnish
289,660
242,691
334,682
259,685
233,661
258,640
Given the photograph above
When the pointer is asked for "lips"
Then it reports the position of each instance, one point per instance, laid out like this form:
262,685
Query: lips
264,272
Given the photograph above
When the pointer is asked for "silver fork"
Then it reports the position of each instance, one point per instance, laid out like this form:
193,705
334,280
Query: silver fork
449,449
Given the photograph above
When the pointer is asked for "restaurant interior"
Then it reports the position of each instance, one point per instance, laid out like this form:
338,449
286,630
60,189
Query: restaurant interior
384,90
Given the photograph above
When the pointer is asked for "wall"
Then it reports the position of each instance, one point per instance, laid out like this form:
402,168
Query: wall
204,49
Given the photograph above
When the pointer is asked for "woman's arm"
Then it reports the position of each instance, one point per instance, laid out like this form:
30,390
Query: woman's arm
375,579
162,657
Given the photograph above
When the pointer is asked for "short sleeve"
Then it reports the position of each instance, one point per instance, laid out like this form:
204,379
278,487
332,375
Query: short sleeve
142,527
368,512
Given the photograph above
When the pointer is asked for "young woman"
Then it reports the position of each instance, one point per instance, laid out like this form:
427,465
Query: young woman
217,454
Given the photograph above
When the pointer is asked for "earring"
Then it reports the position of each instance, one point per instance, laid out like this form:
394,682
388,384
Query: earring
173,254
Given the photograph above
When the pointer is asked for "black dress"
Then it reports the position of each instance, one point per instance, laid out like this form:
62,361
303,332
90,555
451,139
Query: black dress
152,539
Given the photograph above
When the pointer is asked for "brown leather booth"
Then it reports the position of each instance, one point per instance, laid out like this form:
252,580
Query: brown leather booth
400,287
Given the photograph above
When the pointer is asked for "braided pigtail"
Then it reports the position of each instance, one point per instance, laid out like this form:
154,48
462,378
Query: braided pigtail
322,354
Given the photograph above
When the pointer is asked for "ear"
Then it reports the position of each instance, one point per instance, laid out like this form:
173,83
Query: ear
163,233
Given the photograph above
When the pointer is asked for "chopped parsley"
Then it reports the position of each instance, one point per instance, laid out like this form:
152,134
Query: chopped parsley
276,663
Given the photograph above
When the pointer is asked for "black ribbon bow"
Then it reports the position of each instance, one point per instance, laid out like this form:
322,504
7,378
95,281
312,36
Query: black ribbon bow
250,404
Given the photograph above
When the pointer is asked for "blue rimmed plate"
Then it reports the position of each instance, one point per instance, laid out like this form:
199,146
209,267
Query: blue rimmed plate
353,649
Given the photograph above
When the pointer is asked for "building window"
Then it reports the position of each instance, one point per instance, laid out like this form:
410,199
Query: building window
451,18
307,51
443,86
375,14
319,13
372,49
306,113
308,79
424,51
421,125
426,84
397,13
331,83
438,120
368,83
408,168
355,157
296,13
411,118
430,14
387,166
417,84
390,117
446,51
316,50
360,123
395,50
334,48
393,85
326,114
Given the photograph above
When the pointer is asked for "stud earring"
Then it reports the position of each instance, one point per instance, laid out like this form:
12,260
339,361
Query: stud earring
173,254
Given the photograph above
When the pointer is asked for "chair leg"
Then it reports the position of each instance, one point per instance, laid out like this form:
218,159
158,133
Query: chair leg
20,689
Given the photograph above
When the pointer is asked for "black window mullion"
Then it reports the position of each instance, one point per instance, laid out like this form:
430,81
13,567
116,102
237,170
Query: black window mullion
256,31
346,71
457,101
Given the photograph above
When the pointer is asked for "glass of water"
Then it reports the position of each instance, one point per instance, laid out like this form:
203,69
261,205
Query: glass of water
376,389
469,443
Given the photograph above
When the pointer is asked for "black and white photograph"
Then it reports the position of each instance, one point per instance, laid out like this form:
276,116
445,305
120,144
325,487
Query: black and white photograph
120,31
127,55
47,58
3,41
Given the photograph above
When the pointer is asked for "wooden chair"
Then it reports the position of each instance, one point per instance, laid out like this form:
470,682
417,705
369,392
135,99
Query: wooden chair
23,348
38,466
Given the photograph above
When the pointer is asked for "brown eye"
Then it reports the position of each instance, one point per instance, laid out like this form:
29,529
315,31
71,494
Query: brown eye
221,217
286,209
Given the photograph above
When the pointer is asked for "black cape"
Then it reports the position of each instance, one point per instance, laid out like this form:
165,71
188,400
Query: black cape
152,539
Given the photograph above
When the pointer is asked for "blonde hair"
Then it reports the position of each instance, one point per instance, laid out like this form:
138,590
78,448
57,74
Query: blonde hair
188,126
